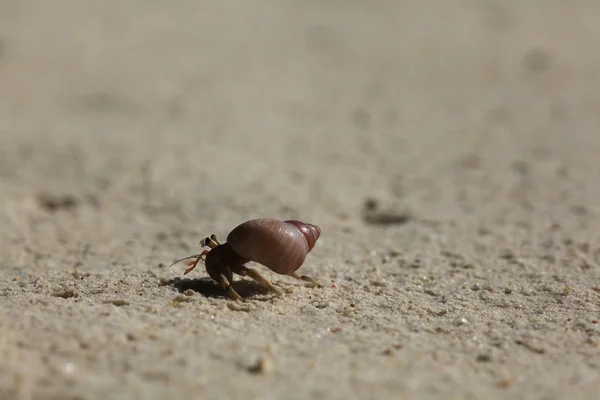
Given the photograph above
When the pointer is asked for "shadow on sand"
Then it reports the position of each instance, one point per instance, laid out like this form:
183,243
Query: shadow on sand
209,288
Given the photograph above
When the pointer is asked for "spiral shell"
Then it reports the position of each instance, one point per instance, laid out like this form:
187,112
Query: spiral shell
281,246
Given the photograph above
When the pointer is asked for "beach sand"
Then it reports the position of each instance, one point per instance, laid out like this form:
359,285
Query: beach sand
449,151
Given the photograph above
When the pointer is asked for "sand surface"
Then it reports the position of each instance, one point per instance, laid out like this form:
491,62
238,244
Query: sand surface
450,152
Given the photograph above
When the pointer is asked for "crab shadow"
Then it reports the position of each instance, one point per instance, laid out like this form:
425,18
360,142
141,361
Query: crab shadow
210,289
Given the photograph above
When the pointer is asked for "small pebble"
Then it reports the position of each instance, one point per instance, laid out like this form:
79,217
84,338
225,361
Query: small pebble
237,307
182,299
504,383
322,304
66,294
370,204
262,366
118,302
526,291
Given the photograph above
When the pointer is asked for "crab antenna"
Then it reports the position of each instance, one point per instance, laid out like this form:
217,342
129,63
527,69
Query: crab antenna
185,258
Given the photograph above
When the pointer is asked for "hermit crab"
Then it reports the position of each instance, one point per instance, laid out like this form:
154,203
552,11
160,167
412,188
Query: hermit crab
281,246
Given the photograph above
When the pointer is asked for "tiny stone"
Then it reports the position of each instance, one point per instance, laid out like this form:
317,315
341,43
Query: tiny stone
394,253
504,304
370,204
119,302
236,307
476,287
484,358
66,294
189,292
504,383
262,366
322,305
526,292
181,299
461,321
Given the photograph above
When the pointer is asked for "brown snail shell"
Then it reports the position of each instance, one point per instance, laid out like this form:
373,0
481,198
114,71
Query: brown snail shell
281,246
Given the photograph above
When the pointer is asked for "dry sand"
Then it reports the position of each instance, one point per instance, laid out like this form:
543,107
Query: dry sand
131,130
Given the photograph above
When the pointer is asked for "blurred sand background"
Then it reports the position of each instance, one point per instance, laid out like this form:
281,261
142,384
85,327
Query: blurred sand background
469,129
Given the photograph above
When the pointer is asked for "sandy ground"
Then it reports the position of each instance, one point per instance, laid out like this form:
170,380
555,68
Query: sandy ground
468,129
